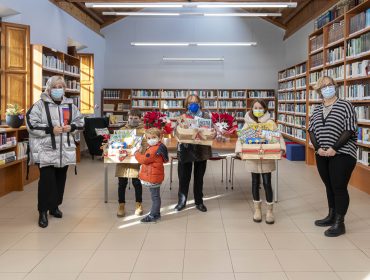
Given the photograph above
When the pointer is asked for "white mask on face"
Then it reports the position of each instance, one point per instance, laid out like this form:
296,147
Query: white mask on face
328,92
153,141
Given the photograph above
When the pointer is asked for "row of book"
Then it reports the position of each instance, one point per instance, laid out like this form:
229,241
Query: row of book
232,104
299,83
210,104
335,55
172,114
358,91
317,59
76,100
358,46
336,32
315,76
52,62
358,69
292,72
316,42
145,93
314,96
6,142
359,21
363,113
7,157
174,94
172,104
22,149
73,84
300,95
363,135
261,94
300,108
73,69
363,156
293,131
271,104
145,103
288,96
301,69
337,73
328,16
287,85
232,94
122,106
111,94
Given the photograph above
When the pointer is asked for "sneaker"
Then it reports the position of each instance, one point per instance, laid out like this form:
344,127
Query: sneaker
150,219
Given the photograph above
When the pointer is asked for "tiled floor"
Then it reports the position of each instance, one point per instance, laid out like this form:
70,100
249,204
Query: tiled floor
90,242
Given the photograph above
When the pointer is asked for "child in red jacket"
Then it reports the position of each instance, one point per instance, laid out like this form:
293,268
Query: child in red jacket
152,157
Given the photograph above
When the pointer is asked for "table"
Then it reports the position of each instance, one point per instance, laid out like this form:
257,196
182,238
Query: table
223,148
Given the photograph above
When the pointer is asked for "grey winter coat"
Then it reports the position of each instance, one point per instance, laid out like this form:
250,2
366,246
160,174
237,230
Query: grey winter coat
46,148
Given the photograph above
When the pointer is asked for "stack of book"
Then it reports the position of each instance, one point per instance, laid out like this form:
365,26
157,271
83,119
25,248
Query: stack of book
358,91
52,62
337,73
72,69
359,21
300,83
261,94
301,69
238,94
7,157
145,103
358,46
335,55
363,156
6,142
332,14
300,95
315,76
145,93
336,32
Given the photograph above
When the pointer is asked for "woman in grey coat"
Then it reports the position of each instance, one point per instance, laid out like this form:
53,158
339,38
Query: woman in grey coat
51,122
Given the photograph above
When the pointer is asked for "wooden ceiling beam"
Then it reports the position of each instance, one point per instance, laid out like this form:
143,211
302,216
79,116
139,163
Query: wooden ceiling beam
294,12
90,12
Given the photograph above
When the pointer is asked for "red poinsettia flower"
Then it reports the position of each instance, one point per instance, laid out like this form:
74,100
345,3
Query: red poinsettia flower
158,120
224,123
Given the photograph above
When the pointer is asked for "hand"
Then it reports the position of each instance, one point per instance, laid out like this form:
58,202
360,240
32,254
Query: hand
67,128
213,133
321,152
282,152
330,152
57,130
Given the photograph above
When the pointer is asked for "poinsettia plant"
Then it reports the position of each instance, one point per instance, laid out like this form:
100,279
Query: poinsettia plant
158,120
224,123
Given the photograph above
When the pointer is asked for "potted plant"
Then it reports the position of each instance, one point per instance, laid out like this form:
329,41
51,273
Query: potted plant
14,116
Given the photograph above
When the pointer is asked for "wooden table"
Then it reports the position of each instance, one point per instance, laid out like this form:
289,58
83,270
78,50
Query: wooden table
221,148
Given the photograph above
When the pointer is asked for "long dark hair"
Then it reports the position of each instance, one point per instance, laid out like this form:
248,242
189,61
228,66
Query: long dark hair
264,106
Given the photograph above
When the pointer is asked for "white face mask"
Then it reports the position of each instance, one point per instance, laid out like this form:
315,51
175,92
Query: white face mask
57,93
328,92
153,141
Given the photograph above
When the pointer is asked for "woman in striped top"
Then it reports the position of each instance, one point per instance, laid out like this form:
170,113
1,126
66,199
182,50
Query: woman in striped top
332,130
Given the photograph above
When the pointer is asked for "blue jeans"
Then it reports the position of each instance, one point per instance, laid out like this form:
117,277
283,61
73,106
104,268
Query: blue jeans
156,202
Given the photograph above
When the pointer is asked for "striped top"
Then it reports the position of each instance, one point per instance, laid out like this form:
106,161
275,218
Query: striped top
327,131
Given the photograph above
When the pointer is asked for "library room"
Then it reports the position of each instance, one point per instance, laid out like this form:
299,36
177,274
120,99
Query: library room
185,140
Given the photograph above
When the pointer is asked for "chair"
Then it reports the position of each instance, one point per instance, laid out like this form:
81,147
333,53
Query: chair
214,157
232,165
94,141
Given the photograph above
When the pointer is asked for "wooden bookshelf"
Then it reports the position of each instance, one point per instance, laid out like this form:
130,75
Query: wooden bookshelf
13,174
337,35
292,100
171,101
47,62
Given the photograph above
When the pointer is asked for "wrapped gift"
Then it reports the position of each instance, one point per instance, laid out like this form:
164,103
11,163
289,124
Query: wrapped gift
195,131
260,141
122,146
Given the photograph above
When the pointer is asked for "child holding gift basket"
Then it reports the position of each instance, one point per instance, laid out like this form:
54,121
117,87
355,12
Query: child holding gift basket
260,115
152,156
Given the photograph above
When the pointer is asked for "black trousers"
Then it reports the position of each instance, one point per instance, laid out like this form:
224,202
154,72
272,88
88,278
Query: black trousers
336,172
122,185
51,187
256,181
184,172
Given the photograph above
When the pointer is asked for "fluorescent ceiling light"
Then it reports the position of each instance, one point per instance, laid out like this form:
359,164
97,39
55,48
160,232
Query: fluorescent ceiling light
187,44
242,14
195,5
192,14
139,14
193,59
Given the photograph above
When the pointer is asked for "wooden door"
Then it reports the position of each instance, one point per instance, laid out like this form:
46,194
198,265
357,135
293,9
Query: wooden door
87,82
15,66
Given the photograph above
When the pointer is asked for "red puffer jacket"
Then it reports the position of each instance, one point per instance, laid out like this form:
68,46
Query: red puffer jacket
152,169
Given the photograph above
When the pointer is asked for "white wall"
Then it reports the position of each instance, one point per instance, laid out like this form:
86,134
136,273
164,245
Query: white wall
142,67
51,26
296,46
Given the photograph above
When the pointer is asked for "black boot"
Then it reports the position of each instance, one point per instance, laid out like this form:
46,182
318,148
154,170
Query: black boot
43,219
338,228
201,207
328,220
56,213
182,202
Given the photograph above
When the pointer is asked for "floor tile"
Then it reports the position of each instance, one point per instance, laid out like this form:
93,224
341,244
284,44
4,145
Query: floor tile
312,275
206,241
346,260
20,261
261,276
123,241
39,241
81,241
288,241
160,261
247,241
207,261
298,260
164,241
112,261
255,261
104,276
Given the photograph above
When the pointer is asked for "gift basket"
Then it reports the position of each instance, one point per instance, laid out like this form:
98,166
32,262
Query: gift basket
194,131
224,125
121,146
260,141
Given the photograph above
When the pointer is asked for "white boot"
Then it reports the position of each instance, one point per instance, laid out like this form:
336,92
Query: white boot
269,214
257,217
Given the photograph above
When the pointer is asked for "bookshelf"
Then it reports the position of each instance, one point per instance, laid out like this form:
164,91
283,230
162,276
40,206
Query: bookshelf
171,101
13,160
292,102
345,49
47,62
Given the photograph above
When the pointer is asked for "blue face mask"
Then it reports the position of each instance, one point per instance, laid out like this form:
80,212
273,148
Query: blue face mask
193,107
328,92
57,93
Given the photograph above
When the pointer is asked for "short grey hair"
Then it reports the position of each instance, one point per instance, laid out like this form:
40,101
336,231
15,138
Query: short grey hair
52,81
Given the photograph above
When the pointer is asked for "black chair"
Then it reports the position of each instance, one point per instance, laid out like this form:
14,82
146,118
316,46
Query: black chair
94,141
